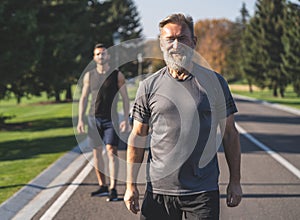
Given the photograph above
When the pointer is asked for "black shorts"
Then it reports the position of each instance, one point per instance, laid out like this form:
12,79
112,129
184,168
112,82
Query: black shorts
101,132
204,205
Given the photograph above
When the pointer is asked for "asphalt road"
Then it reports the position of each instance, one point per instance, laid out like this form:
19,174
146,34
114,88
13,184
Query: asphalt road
271,189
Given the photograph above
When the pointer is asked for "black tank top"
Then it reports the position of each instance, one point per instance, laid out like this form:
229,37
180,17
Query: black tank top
104,90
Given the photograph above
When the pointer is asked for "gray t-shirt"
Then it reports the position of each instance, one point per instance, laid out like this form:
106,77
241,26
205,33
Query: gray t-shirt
183,116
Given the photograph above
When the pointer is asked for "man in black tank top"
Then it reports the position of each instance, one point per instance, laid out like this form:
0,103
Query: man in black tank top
104,85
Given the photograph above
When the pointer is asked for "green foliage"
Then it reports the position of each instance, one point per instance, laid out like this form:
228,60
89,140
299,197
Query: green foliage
233,71
47,44
291,42
20,47
266,42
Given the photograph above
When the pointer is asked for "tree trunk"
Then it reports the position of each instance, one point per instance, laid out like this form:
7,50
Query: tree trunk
281,90
250,87
275,94
69,94
18,99
57,97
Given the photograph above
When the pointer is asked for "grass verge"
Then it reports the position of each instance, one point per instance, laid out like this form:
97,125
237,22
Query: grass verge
290,99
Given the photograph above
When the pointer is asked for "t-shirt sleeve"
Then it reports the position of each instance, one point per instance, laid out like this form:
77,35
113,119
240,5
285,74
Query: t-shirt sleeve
141,110
225,101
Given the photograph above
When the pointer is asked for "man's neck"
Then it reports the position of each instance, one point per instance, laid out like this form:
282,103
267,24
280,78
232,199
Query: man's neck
181,75
102,69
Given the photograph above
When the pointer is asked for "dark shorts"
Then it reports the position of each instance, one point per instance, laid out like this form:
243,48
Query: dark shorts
204,205
101,132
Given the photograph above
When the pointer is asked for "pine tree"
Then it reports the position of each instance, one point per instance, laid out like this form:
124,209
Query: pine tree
291,42
264,48
253,56
243,47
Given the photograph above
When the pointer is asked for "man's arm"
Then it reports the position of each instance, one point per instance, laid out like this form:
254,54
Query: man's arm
232,148
83,103
135,155
123,91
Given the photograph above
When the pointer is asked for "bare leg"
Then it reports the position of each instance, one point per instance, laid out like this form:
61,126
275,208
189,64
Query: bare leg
113,165
99,165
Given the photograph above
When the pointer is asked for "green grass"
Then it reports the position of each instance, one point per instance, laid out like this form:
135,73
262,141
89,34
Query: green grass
33,139
290,99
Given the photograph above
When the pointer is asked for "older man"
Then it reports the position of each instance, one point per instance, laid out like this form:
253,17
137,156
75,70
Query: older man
184,104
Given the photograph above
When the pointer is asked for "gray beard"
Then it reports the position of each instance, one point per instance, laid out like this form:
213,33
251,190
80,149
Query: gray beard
176,63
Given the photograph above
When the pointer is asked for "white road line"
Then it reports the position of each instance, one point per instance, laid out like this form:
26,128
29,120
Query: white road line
63,198
272,153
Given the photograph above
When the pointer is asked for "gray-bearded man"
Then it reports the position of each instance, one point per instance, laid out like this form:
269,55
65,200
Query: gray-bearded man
182,105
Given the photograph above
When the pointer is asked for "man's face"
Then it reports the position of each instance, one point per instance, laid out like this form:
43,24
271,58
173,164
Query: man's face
100,56
177,45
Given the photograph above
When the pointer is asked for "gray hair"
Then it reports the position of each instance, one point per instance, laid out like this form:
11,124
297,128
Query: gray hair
180,19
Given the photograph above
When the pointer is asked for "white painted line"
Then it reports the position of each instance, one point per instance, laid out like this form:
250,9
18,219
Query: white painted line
272,153
63,198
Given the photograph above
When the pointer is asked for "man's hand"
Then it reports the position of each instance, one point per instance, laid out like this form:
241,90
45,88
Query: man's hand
131,199
80,127
234,194
124,126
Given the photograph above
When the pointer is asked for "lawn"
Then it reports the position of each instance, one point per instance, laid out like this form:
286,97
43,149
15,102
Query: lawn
290,99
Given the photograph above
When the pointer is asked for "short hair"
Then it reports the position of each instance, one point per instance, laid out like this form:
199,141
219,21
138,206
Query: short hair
99,45
180,19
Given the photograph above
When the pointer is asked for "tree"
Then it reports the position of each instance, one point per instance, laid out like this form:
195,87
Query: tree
48,43
233,53
291,42
263,46
213,42
126,20
20,48
62,28
243,47
71,28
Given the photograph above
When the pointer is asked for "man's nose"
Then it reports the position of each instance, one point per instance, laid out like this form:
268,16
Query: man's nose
175,43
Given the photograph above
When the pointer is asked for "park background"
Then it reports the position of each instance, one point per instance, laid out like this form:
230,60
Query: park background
46,46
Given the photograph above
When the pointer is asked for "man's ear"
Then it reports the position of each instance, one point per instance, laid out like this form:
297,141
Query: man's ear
160,44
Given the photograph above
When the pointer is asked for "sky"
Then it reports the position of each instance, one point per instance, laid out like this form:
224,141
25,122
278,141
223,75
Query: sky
153,11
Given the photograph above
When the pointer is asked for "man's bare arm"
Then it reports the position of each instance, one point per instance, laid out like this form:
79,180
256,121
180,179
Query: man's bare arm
232,149
83,103
123,91
135,156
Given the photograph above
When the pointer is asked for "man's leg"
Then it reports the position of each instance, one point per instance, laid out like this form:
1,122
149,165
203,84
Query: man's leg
112,154
113,167
99,170
99,165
